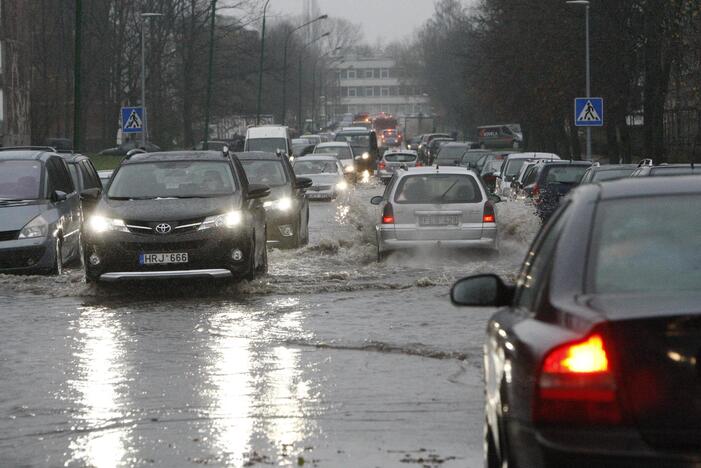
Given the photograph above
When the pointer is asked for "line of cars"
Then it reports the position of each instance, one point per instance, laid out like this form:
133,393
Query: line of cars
180,214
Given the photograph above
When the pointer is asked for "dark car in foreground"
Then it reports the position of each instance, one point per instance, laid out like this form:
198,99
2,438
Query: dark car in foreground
186,214
40,212
287,209
593,358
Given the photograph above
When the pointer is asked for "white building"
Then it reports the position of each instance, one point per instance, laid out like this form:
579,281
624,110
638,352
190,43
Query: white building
376,85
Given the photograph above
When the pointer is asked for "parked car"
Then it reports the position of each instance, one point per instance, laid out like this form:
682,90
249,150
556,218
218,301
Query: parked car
394,160
287,209
500,136
591,359
128,146
365,148
40,212
511,167
601,173
435,207
269,139
327,176
553,181
184,214
342,150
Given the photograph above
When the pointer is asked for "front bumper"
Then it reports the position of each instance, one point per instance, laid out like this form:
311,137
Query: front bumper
27,255
210,254
388,241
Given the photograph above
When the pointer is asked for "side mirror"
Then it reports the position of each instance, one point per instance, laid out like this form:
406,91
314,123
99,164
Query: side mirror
302,183
482,291
91,194
494,198
256,191
58,196
377,200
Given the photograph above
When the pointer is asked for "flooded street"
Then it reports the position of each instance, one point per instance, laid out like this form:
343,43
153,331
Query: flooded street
331,360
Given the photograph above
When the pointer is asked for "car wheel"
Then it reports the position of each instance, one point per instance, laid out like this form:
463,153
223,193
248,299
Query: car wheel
263,267
251,270
57,268
305,240
293,242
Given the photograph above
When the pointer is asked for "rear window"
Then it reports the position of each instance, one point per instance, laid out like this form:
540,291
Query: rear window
265,172
438,188
601,176
341,152
564,174
635,250
513,166
451,152
400,157
268,145
674,171
316,167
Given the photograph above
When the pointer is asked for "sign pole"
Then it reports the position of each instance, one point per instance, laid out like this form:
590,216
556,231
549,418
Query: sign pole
588,82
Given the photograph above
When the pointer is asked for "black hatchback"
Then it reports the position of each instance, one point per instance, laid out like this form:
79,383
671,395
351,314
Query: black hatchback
594,358
177,215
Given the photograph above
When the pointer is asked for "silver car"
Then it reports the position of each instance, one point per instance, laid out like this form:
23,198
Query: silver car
326,173
394,160
435,207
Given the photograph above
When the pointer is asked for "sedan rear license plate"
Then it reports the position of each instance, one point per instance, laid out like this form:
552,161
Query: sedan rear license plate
439,220
162,258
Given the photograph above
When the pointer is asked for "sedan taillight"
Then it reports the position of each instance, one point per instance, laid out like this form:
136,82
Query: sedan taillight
577,386
381,165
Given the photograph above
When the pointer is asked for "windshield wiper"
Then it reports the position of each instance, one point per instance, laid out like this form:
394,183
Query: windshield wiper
449,189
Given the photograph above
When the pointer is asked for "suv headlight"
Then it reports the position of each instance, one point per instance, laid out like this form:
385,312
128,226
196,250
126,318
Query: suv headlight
348,169
229,220
283,204
99,224
342,185
38,227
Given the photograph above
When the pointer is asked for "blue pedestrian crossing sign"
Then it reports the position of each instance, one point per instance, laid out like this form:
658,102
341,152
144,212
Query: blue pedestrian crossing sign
589,112
132,119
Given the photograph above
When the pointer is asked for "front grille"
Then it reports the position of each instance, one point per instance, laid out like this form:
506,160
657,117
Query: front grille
20,258
9,235
147,228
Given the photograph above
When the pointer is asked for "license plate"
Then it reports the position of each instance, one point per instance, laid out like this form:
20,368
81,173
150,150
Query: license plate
162,258
439,220
316,195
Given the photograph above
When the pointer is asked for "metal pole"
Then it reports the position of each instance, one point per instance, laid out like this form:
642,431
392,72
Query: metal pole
588,81
77,72
209,76
260,68
143,80
284,84
299,96
314,96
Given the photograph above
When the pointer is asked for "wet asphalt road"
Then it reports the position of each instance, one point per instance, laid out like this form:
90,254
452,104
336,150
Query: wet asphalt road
331,360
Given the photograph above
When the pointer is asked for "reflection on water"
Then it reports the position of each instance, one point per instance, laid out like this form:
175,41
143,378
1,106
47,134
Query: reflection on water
101,373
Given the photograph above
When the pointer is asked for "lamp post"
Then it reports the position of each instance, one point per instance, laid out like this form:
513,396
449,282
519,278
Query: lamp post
299,94
284,63
588,65
262,59
76,73
144,130
209,75
314,82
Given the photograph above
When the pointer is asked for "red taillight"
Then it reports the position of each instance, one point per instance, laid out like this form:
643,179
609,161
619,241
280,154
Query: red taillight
388,214
577,386
536,191
488,215
381,165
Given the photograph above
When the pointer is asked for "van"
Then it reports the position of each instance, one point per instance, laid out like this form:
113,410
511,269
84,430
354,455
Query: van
269,139
500,136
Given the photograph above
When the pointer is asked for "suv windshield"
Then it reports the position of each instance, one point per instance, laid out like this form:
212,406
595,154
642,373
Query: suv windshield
20,180
358,140
265,172
316,167
564,174
267,145
173,179
400,157
636,251
438,188
341,152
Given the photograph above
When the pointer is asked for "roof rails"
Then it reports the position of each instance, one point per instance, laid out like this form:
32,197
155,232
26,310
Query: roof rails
646,162
28,148
134,151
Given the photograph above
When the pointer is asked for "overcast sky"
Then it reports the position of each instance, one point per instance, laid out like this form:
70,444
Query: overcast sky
387,19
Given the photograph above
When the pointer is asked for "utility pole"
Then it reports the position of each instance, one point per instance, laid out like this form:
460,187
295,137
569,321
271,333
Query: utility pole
260,68
209,76
77,66
144,18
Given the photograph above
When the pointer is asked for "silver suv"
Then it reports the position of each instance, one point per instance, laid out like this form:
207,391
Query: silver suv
435,207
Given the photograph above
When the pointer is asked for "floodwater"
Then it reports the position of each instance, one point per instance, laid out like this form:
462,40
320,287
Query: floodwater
331,360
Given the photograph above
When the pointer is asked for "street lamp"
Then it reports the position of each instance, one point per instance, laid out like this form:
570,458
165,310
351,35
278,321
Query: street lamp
588,65
299,96
144,16
262,58
284,63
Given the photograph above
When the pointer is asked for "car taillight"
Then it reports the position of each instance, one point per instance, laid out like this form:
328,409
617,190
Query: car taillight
388,214
577,386
488,215
418,164
381,165
536,191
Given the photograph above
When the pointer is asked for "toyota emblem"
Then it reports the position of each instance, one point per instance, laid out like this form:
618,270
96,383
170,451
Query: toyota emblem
163,228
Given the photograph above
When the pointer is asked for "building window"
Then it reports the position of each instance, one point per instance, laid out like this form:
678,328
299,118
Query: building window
384,91
352,92
384,73
351,74
368,73
394,91
369,92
